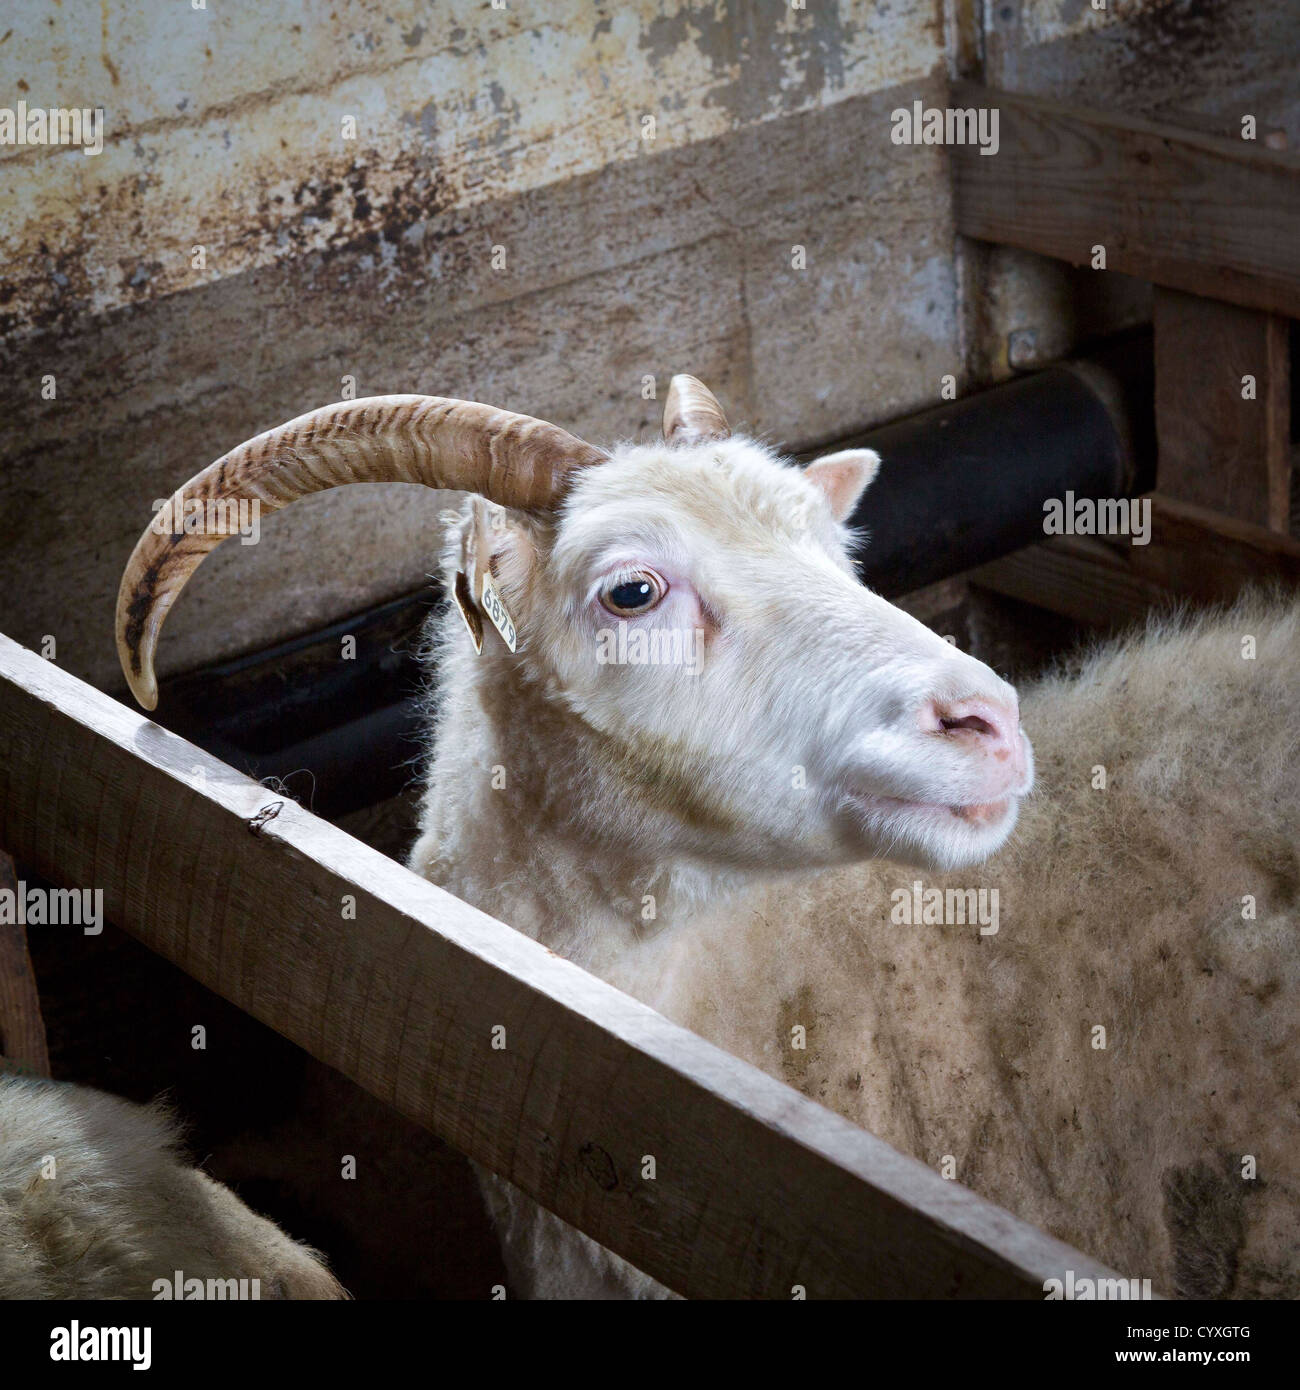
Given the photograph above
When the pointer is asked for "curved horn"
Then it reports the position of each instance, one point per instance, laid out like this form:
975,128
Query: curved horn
692,414
511,459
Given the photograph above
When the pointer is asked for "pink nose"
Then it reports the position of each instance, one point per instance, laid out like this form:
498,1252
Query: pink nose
989,725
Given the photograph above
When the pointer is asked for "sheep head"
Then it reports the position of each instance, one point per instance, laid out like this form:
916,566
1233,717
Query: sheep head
691,610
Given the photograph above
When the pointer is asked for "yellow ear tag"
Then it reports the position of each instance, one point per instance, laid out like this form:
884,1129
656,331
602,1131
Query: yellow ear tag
496,610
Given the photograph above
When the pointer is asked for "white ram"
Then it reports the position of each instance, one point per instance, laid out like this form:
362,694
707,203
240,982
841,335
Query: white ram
695,703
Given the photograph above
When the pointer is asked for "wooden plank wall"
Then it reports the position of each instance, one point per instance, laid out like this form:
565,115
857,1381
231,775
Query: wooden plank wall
1223,407
1195,555
1215,223
1166,204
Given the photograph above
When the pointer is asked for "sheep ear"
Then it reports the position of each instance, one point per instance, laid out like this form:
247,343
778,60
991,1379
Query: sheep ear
844,477
494,555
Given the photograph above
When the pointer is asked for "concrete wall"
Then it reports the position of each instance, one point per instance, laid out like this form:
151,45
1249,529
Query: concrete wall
325,258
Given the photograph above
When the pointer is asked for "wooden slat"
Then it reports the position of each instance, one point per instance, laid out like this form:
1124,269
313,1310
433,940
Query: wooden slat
1219,218
1217,448
22,1030
758,1188
1195,554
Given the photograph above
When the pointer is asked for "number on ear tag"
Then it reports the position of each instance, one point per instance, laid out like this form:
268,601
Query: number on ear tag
496,610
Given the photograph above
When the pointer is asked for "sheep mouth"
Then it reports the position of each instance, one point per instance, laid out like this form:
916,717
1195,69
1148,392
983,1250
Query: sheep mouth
982,812
979,815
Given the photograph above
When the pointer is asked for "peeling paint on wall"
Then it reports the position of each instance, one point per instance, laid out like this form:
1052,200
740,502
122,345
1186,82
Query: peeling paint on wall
226,128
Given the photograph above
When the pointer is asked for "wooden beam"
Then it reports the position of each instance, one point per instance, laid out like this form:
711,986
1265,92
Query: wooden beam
1194,554
22,1030
758,1189
1223,407
1219,218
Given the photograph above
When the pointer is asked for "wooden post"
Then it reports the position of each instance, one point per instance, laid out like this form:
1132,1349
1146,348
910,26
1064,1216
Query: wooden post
22,1030
1223,408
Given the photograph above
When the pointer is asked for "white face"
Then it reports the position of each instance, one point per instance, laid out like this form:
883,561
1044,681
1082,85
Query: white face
697,610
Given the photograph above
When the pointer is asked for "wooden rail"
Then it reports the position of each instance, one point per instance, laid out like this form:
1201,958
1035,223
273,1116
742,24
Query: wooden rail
1194,555
758,1190
1214,217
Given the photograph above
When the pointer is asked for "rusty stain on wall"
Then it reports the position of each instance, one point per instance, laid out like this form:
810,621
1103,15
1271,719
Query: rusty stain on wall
225,128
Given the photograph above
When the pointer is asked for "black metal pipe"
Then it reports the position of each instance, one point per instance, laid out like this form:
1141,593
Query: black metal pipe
961,484
966,482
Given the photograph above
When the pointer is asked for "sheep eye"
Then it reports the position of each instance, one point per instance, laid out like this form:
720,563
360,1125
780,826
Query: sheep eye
633,594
